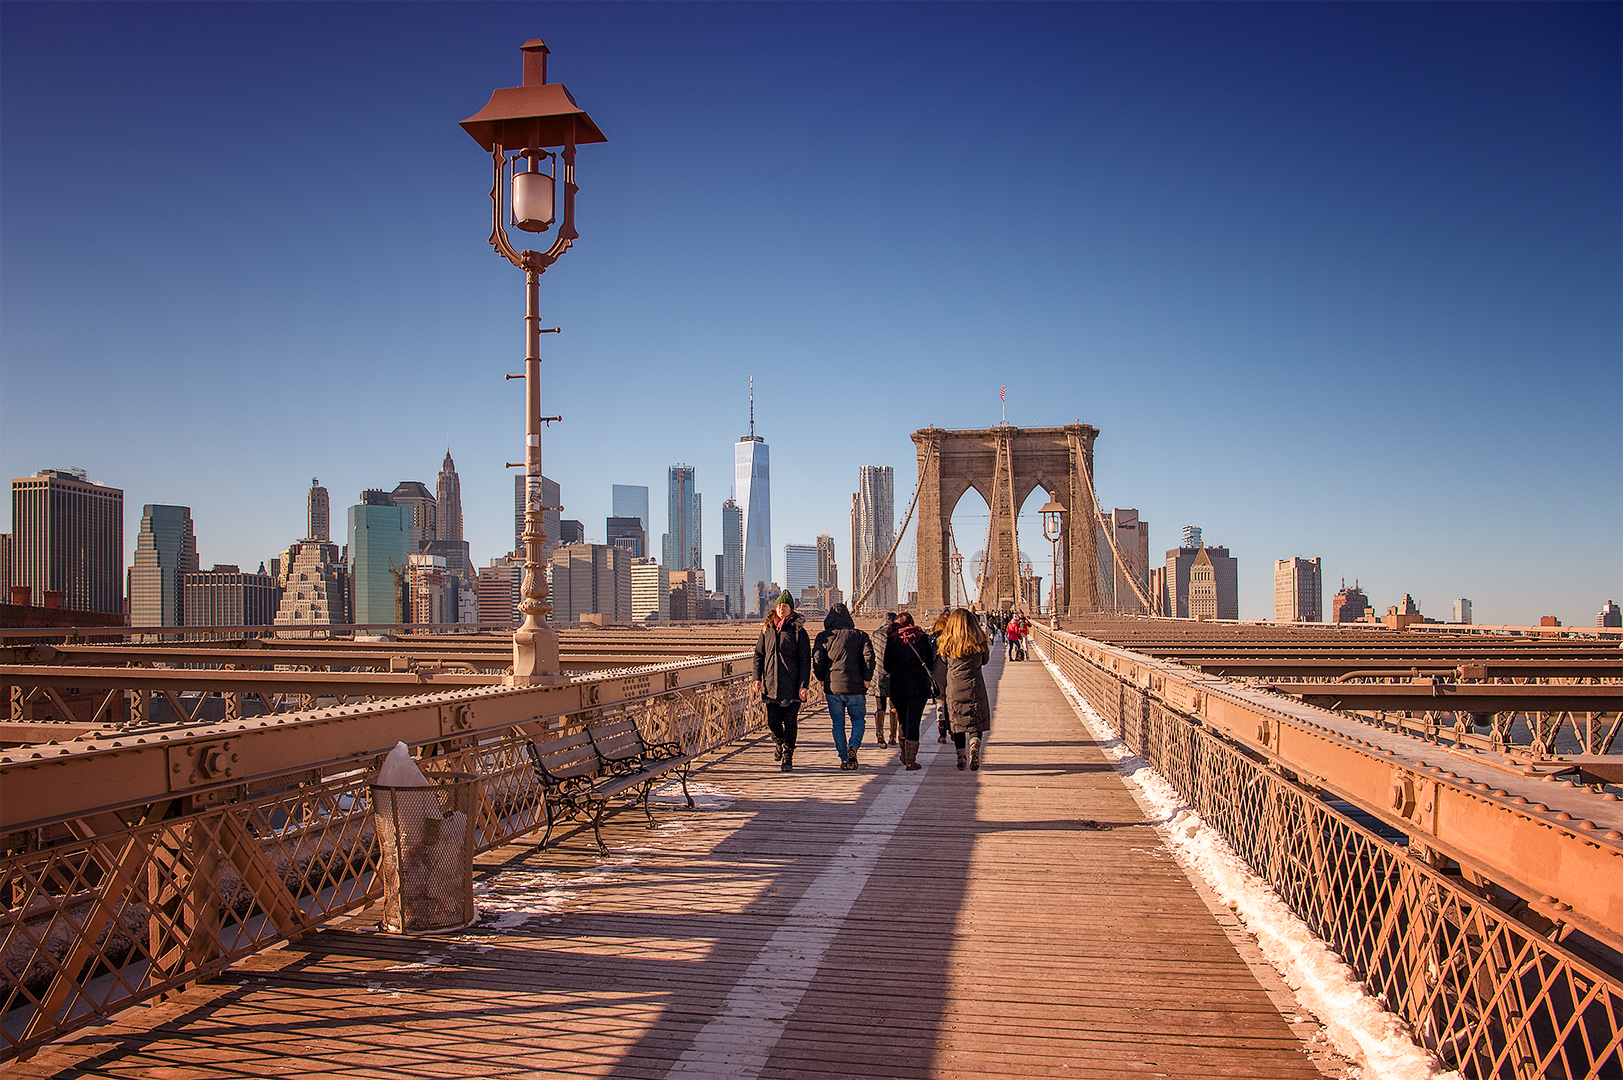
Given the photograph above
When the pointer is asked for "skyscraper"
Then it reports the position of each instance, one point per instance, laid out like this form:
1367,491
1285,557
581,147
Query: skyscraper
730,576
379,566
318,519
448,501
1349,605
1132,539
873,530
1224,579
448,542
631,500
1298,590
650,591
165,551
1462,611
799,568
683,547
752,490
418,503
68,537
1202,586
1610,615
591,579
315,585
499,592
225,596
314,581
627,532
828,569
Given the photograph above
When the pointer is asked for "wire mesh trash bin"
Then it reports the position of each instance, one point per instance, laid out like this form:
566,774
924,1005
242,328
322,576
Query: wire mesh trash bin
426,836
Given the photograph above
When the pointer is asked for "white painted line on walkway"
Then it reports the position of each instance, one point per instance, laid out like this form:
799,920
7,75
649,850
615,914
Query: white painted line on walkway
739,1041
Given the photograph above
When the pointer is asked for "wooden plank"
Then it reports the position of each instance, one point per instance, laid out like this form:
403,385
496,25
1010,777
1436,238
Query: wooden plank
936,924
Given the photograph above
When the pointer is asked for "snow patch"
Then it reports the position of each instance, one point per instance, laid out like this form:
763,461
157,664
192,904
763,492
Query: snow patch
508,899
705,796
1356,1024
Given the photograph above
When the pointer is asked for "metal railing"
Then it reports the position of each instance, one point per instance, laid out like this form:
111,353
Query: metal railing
133,900
1488,994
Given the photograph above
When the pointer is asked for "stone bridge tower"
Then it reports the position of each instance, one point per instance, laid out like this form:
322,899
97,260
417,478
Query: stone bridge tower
1005,464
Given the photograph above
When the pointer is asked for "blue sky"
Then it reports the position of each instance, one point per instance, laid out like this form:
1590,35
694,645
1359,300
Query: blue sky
1331,279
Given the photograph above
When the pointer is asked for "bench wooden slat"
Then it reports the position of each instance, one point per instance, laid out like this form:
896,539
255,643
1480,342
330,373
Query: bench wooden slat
580,772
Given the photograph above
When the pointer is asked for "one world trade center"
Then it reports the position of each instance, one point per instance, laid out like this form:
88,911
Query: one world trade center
752,488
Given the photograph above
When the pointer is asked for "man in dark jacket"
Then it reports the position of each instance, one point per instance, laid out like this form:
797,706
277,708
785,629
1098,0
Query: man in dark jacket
843,661
881,680
783,673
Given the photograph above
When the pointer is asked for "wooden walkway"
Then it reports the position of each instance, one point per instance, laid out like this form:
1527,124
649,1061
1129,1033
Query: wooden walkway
818,924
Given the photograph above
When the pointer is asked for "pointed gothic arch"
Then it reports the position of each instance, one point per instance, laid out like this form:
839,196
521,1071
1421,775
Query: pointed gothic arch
1009,463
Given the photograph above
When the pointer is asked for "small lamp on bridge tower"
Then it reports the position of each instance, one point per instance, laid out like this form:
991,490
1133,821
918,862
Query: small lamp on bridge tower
520,127
1053,528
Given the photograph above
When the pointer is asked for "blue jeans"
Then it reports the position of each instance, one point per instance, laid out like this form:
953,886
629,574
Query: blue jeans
838,706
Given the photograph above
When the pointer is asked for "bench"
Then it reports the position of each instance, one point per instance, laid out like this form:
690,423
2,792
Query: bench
580,772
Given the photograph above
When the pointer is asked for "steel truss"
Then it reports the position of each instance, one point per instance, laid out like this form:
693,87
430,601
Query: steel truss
136,864
1496,985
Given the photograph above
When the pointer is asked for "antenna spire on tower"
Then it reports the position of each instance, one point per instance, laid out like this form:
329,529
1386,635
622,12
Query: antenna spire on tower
752,406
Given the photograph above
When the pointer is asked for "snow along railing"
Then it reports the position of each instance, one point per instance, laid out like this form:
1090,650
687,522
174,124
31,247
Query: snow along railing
137,863
1496,983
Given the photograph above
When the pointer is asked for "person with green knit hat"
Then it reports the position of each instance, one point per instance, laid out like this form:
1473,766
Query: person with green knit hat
783,671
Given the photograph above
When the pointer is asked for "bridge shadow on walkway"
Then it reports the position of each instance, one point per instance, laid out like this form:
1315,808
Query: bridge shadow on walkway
1021,920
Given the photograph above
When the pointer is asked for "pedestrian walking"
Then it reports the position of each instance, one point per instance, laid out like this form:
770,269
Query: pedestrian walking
910,659
969,709
843,661
1011,634
782,674
881,681
939,673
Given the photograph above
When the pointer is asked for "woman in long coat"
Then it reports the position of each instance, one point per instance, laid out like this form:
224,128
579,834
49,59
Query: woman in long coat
909,656
969,710
783,673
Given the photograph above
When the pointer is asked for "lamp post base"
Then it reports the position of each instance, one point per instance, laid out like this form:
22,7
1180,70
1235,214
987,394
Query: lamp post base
535,658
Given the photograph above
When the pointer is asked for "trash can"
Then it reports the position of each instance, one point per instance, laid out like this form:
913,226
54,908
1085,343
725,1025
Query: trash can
426,837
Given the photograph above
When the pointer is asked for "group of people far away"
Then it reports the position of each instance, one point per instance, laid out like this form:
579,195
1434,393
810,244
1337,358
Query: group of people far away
900,663
1015,628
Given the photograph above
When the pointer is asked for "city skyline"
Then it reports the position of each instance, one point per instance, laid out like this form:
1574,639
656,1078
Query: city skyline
1324,234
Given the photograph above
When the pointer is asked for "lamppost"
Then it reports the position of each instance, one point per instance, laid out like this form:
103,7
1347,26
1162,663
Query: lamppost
520,127
1053,528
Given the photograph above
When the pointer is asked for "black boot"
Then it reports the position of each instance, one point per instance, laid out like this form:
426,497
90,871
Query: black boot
788,759
777,748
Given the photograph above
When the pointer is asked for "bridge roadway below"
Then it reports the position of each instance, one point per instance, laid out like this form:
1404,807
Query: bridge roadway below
823,923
